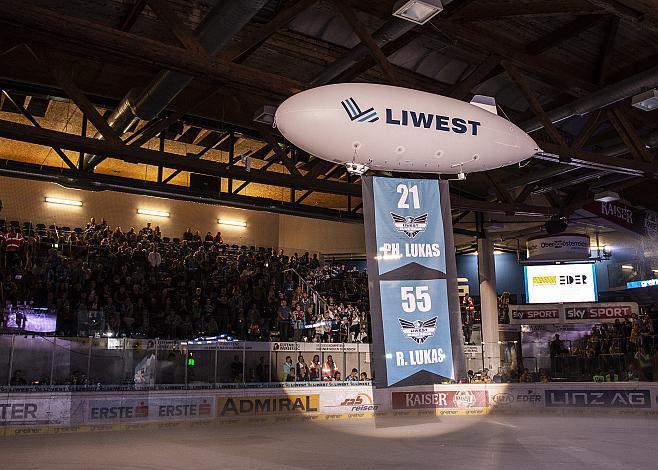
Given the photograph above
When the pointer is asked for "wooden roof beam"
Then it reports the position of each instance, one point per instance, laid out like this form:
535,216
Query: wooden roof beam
365,37
536,107
240,51
522,10
184,35
564,33
57,28
577,85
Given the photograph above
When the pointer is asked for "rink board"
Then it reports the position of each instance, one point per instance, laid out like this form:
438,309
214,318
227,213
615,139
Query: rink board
48,413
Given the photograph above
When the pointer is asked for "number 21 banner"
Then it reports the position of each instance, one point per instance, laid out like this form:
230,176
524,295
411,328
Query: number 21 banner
412,279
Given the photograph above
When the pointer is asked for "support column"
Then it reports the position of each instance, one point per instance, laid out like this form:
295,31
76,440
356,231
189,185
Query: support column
488,304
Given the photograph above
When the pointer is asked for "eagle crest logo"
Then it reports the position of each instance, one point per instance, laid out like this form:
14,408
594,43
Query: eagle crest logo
410,226
418,330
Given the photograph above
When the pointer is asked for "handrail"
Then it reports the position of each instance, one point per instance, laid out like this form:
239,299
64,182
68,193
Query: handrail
320,300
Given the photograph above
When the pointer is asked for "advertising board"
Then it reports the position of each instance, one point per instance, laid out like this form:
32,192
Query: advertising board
443,399
557,247
560,283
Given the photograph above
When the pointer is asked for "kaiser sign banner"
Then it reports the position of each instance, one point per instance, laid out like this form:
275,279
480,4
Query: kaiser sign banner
413,283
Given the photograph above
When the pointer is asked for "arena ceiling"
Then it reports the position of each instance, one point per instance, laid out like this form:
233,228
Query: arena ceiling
564,69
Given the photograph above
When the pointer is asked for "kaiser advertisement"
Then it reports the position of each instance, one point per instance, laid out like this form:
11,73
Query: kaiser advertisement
409,287
449,399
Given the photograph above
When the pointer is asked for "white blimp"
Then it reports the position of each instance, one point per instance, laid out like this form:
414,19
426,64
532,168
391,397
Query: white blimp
382,127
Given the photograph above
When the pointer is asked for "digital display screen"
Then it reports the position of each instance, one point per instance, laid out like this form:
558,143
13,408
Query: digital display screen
560,283
34,320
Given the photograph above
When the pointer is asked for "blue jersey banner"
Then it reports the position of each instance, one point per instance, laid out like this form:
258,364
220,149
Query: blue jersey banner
408,224
409,296
416,328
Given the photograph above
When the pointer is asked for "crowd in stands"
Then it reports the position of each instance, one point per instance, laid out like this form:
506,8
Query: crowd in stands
151,286
147,285
316,370
624,349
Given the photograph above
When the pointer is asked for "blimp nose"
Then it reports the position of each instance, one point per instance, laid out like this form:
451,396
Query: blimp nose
527,144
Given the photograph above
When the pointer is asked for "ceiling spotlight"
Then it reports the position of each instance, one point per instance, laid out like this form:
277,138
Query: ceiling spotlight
416,11
265,115
606,196
647,101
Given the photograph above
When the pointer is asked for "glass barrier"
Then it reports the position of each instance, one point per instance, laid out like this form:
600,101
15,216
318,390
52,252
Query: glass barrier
98,363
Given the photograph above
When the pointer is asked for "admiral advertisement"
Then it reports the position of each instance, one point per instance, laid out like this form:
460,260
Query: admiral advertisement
267,405
407,265
444,399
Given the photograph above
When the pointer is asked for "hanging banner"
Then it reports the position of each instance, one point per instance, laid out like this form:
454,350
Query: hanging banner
558,247
412,280
640,221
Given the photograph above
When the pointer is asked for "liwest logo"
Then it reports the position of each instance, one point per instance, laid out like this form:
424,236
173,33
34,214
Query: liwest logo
355,114
410,226
412,118
418,330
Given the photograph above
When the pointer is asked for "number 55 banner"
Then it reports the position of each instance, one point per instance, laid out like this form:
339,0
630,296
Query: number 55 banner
414,303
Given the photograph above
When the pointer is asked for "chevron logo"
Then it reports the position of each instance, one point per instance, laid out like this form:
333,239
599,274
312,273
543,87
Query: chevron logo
355,114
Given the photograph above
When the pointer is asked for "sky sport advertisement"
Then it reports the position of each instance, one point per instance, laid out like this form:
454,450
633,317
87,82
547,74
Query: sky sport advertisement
410,282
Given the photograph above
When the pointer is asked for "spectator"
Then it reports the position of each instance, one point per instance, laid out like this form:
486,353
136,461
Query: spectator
302,369
236,369
283,320
526,377
18,378
329,368
315,368
288,370
353,376
154,258
364,377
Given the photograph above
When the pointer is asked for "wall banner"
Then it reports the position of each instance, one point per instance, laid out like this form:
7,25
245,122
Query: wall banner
413,285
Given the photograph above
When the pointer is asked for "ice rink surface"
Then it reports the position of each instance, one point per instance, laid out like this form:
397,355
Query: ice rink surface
503,442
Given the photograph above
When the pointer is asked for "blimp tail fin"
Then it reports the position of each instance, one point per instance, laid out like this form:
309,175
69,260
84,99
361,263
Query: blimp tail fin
488,103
